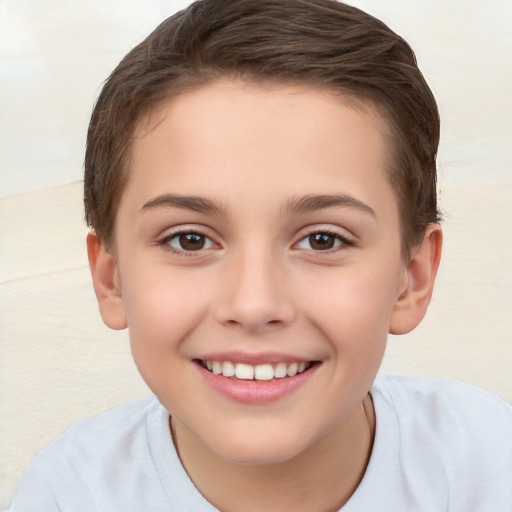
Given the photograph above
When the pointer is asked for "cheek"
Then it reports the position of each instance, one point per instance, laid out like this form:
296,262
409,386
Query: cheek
354,312
162,311
355,298
161,316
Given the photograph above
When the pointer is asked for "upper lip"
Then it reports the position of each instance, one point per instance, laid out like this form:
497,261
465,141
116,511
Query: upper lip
254,359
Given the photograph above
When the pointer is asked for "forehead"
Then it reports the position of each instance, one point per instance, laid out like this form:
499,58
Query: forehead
236,139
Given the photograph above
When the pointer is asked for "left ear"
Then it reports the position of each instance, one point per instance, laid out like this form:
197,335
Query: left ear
412,304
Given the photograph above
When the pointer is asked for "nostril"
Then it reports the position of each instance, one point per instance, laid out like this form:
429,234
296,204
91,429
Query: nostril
256,325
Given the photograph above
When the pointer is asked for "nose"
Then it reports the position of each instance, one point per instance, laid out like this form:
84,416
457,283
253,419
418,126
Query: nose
255,294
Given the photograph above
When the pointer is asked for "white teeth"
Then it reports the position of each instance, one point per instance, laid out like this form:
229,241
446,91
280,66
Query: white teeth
292,370
228,369
244,371
280,371
263,372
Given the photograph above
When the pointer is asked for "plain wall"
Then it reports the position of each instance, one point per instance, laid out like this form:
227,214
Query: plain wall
58,363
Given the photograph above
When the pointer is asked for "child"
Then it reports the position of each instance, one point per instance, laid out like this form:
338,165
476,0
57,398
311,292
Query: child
260,183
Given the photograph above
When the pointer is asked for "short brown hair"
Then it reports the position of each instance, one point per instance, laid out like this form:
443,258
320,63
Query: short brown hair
323,43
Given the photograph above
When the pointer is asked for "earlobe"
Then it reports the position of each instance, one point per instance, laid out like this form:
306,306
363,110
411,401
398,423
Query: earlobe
412,304
107,286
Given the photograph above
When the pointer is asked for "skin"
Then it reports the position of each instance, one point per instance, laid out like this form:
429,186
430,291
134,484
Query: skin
261,286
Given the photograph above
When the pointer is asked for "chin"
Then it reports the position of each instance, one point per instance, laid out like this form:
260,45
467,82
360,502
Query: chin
258,450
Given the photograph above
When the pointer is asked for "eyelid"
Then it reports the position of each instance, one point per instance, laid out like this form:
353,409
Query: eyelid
185,230
208,243
347,239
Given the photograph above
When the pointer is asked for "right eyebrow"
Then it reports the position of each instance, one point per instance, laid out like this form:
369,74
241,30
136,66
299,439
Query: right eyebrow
193,203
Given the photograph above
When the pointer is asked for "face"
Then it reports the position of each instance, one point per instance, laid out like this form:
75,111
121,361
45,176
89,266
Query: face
259,264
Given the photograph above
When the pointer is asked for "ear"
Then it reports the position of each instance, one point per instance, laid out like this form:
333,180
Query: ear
412,304
107,286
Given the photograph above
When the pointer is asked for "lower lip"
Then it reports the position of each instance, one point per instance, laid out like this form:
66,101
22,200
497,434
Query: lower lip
254,392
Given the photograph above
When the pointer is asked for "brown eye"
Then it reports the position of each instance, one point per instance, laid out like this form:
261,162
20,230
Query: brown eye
189,242
321,241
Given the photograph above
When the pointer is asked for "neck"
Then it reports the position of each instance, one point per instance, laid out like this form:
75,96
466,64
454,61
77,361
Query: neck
323,477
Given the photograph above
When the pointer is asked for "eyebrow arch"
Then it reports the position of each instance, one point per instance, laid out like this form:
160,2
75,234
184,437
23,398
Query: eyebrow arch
318,202
193,203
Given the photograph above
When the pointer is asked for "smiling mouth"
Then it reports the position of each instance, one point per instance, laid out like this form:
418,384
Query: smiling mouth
261,372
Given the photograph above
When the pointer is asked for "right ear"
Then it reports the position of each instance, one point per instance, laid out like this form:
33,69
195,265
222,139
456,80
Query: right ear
106,282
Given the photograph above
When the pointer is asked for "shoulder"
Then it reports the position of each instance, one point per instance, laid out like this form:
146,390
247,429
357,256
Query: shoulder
104,433
128,417
451,411
443,401
455,435
71,473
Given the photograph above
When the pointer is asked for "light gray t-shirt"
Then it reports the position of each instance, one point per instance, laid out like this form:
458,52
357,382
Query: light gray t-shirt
439,446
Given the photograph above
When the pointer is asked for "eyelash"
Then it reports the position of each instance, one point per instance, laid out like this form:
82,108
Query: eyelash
165,242
344,242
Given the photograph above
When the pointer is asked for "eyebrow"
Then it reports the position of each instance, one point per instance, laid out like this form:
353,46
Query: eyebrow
318,202
303,204
193,203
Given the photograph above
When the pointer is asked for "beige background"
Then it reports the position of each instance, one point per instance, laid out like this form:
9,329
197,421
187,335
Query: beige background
58,363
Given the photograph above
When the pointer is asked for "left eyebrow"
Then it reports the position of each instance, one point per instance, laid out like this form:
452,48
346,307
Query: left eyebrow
318,202
193,203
